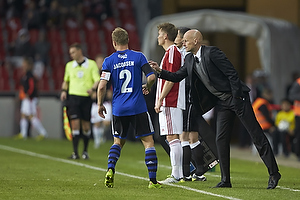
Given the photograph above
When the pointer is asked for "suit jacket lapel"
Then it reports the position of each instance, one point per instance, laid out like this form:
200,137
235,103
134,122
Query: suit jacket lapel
204,59
189,60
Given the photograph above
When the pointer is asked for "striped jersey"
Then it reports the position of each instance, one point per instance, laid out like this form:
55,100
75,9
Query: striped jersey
172,61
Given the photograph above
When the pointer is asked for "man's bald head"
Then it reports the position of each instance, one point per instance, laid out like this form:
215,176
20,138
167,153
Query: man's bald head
195,34
192,40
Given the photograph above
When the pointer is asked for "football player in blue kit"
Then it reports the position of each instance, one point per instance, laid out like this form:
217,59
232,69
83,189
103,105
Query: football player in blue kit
125,69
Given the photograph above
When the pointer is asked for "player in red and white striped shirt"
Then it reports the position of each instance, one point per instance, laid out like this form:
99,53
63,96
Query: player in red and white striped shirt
170,99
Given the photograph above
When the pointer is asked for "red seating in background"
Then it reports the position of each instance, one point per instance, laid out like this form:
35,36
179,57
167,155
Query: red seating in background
17,75
92,38
54,36
71,28
93,50
72,36
108,26
4,72
130,25
13,25
43,83
55,49
57,62
90,24
4,79
2,55
125,9
34,35
1,36
92,34
126,16
58,76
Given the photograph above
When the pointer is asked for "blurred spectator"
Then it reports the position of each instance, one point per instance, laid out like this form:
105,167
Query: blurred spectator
19,49
250,82
294,76
29,97
261,82
263,113
100,126
3,8
54,15
294,95
44,6
15,8
22,47
42,48
285,123
71,9
38,68
31,18
97,9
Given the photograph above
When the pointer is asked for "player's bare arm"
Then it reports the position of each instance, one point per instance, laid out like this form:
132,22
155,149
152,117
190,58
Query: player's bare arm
165,91
100,95
64,89
147,87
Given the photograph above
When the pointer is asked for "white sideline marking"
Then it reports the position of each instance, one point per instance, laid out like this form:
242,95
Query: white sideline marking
7,148
290,189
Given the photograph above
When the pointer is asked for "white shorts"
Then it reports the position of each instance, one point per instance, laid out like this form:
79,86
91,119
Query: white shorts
170,121
95,116
29,106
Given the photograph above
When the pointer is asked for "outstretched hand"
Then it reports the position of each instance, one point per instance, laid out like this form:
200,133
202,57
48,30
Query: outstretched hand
154,66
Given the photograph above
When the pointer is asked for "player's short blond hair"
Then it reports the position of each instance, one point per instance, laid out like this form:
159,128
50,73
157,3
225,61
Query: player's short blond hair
120,36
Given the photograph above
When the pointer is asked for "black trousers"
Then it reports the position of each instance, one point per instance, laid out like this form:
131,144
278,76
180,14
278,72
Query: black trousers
224,126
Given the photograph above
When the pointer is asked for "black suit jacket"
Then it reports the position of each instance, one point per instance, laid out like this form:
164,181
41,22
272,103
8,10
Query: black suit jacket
221,74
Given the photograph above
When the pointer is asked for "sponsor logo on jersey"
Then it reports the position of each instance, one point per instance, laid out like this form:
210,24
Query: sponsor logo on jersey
122,56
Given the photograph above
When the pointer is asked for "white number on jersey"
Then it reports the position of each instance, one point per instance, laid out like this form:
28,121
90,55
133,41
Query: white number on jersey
122,74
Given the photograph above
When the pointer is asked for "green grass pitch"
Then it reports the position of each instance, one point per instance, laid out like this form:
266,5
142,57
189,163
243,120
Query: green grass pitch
40,170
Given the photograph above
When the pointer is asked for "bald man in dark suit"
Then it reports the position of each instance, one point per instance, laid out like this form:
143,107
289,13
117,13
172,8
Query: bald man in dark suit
214,81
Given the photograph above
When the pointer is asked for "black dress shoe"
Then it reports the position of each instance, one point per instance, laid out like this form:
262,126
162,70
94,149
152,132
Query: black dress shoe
223,185
273,180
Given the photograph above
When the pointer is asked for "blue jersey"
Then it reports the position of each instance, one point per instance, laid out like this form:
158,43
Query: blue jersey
124,69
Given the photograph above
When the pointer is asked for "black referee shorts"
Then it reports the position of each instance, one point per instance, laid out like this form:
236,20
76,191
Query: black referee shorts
141,124
189,119
79,107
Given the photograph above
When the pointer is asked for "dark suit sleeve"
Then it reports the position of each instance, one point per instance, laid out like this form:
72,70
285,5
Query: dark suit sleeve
225,66
174,76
